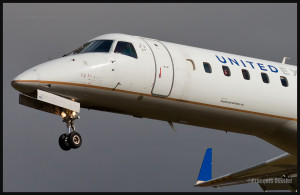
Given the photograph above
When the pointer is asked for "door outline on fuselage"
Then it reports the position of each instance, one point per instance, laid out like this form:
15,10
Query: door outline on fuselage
156,68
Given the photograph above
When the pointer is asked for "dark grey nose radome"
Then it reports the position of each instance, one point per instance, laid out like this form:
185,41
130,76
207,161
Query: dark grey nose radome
26,83
25,87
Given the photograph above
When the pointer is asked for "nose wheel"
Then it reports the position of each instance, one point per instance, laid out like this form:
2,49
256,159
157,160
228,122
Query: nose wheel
63,142
72,139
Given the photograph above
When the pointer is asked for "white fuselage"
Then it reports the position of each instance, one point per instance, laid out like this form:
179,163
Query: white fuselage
168,82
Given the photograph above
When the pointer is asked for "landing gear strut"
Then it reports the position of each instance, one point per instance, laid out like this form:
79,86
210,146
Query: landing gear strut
71,139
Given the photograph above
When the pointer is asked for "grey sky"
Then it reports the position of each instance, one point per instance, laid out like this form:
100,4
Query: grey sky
119,152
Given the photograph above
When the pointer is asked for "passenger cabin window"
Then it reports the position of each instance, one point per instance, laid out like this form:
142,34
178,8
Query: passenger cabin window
207,67
265,77
95,46
126,49
284,81
246,74
226,71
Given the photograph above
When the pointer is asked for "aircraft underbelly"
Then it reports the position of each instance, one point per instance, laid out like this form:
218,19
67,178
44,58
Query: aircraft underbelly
196,115
171,109
163,109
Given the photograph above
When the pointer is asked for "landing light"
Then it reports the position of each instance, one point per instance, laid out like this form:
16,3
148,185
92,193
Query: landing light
63,115
74,113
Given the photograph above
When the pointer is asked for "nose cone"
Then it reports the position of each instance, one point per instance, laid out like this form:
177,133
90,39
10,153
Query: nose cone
27,82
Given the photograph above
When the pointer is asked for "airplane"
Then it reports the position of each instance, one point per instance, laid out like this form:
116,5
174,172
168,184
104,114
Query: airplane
150,78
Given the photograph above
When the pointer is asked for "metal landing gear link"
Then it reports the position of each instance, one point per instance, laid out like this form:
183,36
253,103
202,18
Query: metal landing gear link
72,139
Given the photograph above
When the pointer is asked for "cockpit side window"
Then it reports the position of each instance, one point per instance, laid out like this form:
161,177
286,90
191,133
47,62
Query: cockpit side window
95,46
125,48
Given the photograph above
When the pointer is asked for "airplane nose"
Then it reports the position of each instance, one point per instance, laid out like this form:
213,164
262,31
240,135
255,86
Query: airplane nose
27,82
14,84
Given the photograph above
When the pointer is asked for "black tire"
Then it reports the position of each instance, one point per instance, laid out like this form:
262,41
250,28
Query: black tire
74,139
63,142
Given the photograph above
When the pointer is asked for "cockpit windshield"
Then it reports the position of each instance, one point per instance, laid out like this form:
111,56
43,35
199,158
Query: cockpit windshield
94,46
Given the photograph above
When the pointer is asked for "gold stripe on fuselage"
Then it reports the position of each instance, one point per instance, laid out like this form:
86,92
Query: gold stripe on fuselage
149,95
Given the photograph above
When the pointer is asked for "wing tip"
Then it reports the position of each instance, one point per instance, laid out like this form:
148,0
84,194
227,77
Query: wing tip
199,182
205,172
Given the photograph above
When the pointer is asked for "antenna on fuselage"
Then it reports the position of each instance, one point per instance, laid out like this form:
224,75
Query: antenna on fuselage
172,126
284,59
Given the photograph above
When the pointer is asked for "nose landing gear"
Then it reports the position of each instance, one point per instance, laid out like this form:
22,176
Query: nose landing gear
72,139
